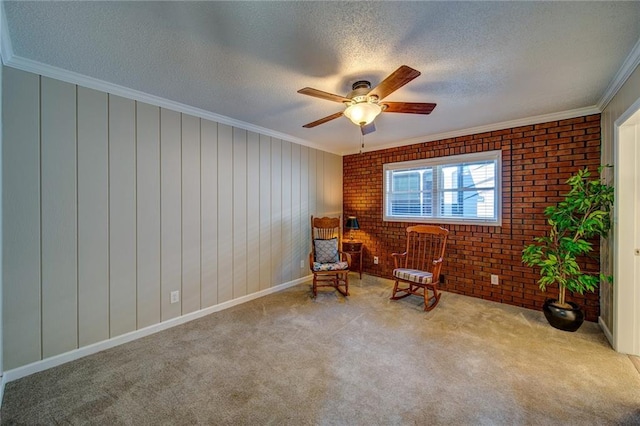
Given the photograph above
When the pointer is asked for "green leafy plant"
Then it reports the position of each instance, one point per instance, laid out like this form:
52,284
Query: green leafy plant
585,213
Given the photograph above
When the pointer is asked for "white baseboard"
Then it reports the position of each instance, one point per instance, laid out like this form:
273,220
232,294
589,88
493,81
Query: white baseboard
45,364
606,331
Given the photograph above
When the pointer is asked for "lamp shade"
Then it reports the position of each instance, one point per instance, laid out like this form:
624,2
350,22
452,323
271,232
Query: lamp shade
352,223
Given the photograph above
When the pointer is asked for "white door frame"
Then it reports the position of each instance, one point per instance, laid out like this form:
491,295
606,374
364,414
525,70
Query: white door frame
626,285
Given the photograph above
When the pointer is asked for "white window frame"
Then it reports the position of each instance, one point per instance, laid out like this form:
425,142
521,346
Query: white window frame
495,156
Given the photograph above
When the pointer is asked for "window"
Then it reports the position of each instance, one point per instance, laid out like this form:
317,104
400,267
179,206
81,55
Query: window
461,189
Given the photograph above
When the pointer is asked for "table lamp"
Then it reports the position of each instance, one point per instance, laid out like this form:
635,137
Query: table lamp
352,223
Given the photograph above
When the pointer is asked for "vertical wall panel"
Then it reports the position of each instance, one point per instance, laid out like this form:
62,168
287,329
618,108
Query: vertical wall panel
148,213
305,229
265,212
59,217
225,213
320,170
253,213
122,215
190,214
333,183
209,208
239,213
337,206
171,212
21,218
287,249
328,183
93,217
295,212
313,203
276,212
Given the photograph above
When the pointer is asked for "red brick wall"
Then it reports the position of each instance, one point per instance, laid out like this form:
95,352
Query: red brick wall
536,161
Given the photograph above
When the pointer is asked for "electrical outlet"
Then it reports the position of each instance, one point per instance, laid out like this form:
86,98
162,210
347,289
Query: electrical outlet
375,260
301,264
175,296
495,280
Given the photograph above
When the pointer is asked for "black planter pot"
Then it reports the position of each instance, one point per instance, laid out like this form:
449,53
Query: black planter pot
562,318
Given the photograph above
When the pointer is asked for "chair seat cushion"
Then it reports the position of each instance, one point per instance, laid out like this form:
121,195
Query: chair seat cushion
413,275
337,266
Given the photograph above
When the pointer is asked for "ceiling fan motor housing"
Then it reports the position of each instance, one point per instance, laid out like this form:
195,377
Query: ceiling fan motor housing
359,91
360,84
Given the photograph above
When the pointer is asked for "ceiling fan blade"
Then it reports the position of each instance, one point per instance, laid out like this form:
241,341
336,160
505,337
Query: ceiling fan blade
396,80
368,128
323,120
323,95
409,107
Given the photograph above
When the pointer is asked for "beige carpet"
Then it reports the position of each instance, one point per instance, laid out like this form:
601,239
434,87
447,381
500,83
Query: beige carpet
365,360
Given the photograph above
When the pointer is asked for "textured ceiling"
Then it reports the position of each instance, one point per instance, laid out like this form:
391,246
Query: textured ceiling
481,62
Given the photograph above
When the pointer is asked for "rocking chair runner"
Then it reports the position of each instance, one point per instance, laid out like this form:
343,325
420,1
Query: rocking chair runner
330,266
419,266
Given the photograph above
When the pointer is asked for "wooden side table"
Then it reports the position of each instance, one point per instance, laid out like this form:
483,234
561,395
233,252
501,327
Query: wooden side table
354,248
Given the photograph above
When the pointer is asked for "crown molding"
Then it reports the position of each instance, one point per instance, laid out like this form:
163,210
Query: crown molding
628,67
528,121
36,67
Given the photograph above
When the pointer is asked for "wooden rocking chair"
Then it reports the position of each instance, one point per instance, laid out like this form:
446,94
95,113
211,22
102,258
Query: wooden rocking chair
419,266
329,265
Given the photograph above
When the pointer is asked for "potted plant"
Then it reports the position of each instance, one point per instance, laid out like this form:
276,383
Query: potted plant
585,213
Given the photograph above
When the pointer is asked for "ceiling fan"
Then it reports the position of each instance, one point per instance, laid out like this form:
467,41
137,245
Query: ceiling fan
364,104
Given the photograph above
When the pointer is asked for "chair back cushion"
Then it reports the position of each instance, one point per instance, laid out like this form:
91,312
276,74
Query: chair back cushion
326,251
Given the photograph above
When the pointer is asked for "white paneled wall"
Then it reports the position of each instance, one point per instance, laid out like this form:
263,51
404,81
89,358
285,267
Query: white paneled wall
112,204
626,96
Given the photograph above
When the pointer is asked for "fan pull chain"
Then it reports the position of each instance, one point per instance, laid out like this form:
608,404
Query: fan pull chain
362,143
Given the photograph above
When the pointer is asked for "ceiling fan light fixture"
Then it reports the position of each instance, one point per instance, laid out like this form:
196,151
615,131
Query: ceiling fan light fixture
362,113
